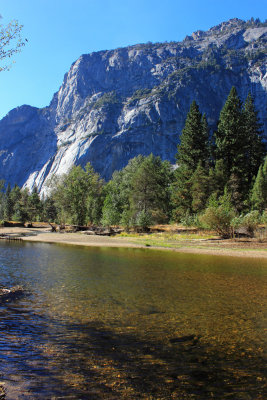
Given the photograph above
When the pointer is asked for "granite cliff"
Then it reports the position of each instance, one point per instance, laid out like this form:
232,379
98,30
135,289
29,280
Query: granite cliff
114,105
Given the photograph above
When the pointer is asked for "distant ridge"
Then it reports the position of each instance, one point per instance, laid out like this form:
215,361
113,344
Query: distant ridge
116,104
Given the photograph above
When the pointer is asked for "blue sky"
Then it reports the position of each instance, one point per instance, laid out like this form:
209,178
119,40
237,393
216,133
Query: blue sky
59,31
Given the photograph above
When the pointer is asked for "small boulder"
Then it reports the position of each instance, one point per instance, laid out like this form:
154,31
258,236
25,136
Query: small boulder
13,292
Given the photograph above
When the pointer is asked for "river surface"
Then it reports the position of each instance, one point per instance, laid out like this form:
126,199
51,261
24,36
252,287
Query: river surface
105,323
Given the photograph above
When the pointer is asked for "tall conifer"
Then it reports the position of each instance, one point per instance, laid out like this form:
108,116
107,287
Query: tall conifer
230,136
253,134
258,194
193,147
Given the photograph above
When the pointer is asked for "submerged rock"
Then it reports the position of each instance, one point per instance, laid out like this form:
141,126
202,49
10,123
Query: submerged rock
8,294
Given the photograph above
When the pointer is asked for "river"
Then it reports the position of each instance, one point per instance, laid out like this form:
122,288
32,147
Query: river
108,323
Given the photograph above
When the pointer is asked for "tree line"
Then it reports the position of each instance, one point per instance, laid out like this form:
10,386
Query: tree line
219,182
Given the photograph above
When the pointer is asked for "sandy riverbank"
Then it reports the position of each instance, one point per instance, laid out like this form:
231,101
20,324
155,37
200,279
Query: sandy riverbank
237,248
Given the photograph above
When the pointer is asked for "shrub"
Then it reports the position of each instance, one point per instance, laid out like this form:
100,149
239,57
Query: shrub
190,220
264,218
250,221
218,219
219,215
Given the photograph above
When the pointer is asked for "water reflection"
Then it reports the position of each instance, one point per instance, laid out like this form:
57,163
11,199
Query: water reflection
117,323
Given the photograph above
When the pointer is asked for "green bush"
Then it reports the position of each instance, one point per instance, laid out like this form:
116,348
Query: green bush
218,219
250,221
190,220
264,218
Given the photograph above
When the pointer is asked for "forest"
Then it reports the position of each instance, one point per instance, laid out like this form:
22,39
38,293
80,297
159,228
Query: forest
218,183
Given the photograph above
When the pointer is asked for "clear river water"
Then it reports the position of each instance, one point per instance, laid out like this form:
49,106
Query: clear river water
108,323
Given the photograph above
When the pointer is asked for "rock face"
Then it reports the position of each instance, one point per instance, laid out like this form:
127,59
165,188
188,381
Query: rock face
114,105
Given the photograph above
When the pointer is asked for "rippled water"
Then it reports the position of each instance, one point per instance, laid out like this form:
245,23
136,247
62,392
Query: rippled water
98,323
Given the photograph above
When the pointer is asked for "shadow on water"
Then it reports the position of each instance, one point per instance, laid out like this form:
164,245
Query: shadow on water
54,359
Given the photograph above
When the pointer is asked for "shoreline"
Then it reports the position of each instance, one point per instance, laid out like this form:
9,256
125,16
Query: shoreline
248,249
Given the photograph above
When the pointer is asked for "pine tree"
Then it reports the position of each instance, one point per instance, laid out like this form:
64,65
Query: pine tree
193,145
206,140
181,196
35,205
259,193
235,191
2,199
8,210
218,180
193,151
254,141
200,188
150,197
230,136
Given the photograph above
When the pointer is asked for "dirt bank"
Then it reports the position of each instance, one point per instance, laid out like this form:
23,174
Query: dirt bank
237,248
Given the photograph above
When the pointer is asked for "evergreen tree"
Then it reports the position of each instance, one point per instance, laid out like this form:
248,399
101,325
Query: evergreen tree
218,180
73,195
258,196
230,137
193,145
181,196
49,213
254,150
2,199
15,196
235,190
116,208
35,205
200,188
8,210
193,151
138,195
264,168
206,138
21,205
150,195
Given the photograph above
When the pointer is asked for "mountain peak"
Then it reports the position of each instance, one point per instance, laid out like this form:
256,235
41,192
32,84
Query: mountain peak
116,104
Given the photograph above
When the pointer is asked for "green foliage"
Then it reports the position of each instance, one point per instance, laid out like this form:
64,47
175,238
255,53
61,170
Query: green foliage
138,195
181,196
193,147
258,197
77,196
149,196
11,41
250,221
140,94
200,188
217,176
8,204
206,189
254,147
21,204
230,137
143,219
34,206
219,215
49,210
108,98
264,218
191,187
190,220
116,208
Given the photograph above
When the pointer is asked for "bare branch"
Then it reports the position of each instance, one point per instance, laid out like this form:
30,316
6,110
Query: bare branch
11,41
